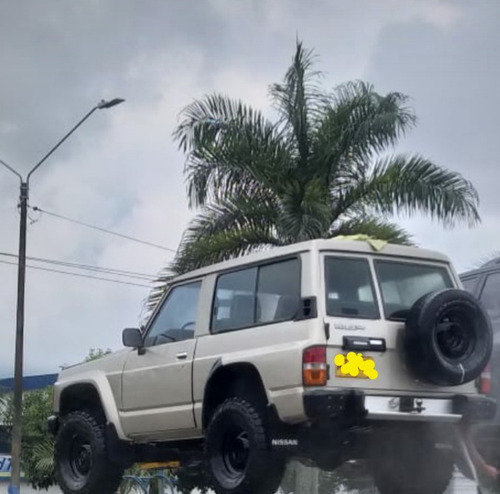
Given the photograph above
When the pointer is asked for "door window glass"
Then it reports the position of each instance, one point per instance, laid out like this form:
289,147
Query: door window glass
176,319
278,291
260,295
234,305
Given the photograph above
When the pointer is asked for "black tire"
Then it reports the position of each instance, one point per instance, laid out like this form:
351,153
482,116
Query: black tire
82,465
238,453
448,338
412,467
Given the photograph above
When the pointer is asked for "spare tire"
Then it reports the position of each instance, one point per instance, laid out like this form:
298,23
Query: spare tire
448,337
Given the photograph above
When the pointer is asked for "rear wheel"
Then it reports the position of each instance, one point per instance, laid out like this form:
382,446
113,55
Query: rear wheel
82,465
238,453
411,464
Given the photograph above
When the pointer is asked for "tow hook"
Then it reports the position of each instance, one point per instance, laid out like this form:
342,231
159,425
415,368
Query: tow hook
408,404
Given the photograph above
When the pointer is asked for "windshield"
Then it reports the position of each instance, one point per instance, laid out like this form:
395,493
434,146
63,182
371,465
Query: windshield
402,284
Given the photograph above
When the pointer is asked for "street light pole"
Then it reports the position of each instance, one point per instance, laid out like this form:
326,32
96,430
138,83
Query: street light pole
18,365
14,487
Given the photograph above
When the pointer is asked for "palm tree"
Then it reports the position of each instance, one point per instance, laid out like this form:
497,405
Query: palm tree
321,169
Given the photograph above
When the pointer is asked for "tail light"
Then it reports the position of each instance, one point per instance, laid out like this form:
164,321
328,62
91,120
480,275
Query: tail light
485,381
314,367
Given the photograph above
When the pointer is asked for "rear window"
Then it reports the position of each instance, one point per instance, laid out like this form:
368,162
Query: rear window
402,284
349,288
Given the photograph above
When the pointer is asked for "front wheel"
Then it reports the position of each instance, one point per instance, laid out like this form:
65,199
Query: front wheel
82,465
238,453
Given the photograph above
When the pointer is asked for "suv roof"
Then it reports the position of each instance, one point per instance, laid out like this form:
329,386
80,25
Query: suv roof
492,263
339,245
489,266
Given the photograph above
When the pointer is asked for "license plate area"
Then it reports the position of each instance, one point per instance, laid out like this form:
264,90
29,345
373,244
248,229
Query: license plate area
354,368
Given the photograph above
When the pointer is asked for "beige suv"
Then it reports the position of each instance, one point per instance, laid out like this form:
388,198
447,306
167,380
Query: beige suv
323,351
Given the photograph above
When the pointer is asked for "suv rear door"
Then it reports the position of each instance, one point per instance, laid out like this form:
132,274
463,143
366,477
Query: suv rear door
367,299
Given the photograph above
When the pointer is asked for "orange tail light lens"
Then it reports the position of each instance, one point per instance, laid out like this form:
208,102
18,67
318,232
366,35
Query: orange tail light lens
314,366
485,381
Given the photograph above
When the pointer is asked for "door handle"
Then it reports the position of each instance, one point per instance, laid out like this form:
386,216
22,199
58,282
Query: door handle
182,355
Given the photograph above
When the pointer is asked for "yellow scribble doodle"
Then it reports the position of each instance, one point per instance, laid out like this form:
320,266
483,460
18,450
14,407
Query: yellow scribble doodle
354,363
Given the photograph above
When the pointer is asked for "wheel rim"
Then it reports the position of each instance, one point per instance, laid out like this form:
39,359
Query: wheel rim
235,450
80,458
453,335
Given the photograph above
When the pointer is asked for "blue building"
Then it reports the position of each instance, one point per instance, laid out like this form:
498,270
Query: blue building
30,383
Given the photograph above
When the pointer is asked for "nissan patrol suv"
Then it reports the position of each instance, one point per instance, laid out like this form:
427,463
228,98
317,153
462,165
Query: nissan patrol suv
323,351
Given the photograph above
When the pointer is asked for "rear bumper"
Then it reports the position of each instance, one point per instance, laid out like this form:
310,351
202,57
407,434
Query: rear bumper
354,404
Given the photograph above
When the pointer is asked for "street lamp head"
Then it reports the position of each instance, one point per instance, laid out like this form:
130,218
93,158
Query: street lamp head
108,104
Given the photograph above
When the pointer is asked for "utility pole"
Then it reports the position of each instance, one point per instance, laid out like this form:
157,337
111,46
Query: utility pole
15,484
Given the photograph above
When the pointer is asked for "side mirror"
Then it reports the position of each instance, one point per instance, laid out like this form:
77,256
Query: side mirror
132,337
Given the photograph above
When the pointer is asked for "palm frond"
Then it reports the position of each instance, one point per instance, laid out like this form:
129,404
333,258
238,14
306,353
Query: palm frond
375,228
255,216
357,124
43,455
222,246
231,149
233,213
405,185
297,99
305,211
6,409
159,287
238,223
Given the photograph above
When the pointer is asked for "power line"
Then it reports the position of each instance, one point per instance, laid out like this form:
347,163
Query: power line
104,230
86,267
78,275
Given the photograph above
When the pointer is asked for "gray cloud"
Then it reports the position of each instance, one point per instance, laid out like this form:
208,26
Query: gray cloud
122,170
452,76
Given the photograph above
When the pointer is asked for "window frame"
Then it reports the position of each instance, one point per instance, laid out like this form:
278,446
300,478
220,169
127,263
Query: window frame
163,301
254,265
484,281
376,299
478,283
419,262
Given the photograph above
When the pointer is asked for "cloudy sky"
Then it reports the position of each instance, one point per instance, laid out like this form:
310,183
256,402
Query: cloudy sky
121,170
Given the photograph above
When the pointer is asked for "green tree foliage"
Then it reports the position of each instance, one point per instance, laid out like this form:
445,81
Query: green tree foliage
37,444
96,353
324,167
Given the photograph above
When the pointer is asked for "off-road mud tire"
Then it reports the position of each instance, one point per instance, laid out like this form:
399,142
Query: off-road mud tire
91,472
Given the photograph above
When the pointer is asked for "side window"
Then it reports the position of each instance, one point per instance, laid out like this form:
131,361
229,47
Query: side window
176,319
349,288
490,297
234,304
260,295
278,291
